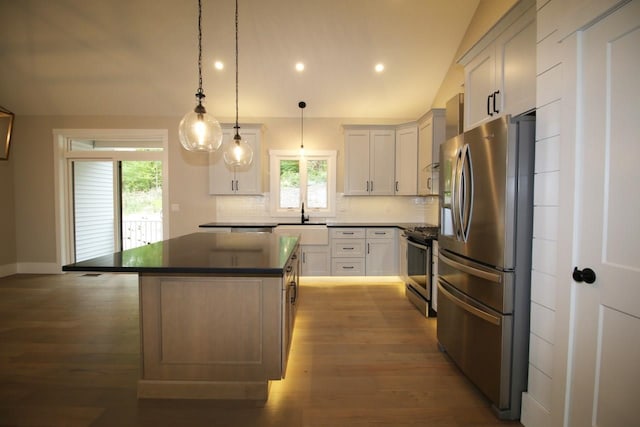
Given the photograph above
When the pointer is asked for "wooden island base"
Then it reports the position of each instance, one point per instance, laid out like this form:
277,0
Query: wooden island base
211,337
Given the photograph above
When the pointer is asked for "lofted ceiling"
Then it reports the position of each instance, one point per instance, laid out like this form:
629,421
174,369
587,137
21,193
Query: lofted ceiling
139,57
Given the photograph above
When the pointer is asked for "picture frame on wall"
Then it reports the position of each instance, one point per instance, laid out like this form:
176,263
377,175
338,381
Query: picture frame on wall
6,127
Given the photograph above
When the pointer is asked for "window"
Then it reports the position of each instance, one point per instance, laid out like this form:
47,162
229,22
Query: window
310,180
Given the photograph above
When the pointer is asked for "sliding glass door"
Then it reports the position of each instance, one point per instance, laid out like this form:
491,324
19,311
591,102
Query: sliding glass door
117,205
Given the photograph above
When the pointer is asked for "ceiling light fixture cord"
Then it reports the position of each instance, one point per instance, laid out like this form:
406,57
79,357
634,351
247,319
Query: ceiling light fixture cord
199,130
200,93
237,136
238,153
302,105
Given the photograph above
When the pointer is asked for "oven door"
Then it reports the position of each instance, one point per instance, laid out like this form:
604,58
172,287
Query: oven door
419,268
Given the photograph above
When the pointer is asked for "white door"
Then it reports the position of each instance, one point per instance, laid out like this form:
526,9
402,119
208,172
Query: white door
605,361
407,162
425,158
382,164
356,163
480,82
316,260
222,179
248,178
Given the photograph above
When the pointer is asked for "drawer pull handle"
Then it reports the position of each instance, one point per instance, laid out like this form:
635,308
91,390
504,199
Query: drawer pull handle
348,249
348,267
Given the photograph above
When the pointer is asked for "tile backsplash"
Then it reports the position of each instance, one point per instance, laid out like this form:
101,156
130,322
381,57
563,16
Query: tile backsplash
373,209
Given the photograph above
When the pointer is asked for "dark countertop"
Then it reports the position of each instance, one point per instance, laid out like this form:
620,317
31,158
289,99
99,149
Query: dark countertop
201,253
401,225
238,225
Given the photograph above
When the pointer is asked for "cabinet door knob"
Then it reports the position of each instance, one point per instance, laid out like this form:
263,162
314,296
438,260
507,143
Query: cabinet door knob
586,275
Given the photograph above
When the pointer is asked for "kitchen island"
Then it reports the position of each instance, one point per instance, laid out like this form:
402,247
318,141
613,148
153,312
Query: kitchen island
216,312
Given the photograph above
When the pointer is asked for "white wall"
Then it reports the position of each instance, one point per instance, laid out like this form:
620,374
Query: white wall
348,209
32,185
536,405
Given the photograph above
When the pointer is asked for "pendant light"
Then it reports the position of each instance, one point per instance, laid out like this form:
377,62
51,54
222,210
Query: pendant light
237,152
302,105
199,130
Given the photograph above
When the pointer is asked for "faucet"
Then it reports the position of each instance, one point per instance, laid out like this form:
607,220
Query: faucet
303,218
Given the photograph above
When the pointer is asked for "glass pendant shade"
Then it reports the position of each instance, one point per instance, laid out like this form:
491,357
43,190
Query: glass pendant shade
200,131
238,152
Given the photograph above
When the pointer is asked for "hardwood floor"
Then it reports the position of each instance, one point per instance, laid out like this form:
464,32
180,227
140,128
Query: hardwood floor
361,356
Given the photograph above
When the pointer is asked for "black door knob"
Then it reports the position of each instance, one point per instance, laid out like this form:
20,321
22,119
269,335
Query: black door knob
586,275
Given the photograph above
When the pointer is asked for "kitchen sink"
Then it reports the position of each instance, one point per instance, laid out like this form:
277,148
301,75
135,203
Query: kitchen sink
310,233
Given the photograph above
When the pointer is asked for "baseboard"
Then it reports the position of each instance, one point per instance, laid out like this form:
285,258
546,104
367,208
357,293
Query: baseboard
533,414
8,270
39,268
216,390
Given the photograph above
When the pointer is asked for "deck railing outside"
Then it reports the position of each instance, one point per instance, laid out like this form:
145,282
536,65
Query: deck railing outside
140,232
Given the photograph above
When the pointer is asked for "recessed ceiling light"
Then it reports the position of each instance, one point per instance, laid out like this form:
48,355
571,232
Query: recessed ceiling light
219,65
379,68
299,66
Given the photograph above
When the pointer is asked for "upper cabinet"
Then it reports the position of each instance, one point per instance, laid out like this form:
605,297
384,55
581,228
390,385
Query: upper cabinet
227,180
406,160
431,135
500,70
369,161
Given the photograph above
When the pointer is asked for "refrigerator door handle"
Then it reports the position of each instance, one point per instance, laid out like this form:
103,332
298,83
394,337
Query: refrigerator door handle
456,196
496,278
466,207
468,307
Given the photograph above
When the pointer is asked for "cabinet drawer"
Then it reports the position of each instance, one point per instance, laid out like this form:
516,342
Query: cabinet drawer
347,267
347,233
349,248
380,233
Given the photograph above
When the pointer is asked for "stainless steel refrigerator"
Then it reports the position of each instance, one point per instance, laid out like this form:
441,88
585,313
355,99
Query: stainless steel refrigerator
484,262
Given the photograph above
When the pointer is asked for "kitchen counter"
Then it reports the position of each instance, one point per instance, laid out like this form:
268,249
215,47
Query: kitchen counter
198,253
401,225
216,312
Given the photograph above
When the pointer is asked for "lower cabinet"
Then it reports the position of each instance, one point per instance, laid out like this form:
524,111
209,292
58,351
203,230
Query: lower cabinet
381,258
360,251
347,251
316,260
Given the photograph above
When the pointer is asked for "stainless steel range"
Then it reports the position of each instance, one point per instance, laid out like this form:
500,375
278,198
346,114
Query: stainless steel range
419,289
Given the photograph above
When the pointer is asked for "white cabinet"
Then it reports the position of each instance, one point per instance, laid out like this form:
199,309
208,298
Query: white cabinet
316,260
364,251
500,70
432,127
369,162
382,256
406,160
224,179
347,251
402,258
